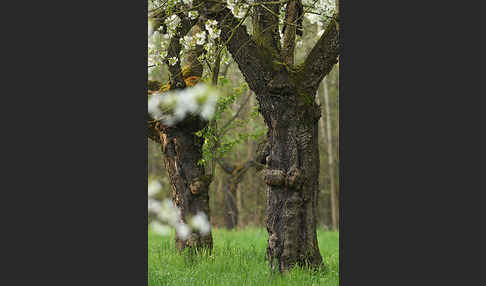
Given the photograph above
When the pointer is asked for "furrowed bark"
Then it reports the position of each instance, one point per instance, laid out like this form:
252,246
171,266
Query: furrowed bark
265,29
286,102
182,151
292,176
321,58
293,13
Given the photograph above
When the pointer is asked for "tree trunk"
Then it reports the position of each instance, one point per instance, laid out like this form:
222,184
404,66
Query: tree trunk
292,175
334,195
286,96
230,207
182,151
328,203
232,198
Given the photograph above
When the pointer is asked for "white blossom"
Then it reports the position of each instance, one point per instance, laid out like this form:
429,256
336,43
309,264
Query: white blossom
172,22
187,42
212,28
169,213
154,206
208,108
197,100
200,38
159,228
238,8
313,18
154,106
325,10
154,187
173,60
183,231
193,14
186,103
200,222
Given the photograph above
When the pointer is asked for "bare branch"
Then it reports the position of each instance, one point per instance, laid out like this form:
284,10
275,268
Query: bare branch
227,167
321,58
293,13
224,129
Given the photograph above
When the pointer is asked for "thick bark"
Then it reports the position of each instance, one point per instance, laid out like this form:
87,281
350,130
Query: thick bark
286,101
292,27
292,176
182,151
321,59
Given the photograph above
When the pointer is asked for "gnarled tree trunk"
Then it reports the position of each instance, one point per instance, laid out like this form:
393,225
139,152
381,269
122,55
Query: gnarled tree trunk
190,185
182,149
292,176
286,95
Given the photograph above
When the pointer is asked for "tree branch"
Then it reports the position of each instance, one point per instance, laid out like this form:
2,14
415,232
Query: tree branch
265,29
227,168
242,47
224,128
321,59
293,12
152,130
175,71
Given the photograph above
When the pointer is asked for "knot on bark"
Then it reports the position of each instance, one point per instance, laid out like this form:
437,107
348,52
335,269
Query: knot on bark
294,178
200,185
274,177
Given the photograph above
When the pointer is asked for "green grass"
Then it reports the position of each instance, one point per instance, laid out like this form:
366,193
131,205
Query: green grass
238,258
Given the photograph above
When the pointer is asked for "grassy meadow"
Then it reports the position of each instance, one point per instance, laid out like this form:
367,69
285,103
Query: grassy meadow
238,258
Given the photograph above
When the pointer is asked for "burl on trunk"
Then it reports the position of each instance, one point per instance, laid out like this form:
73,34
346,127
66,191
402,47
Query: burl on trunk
292,172
182,150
